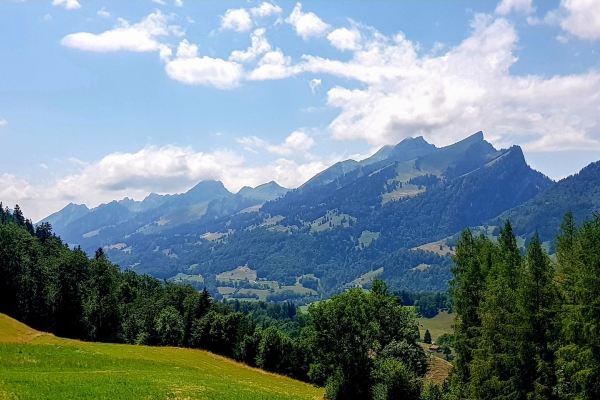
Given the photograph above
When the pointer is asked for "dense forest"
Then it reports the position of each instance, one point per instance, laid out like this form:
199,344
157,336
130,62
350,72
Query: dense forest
527,325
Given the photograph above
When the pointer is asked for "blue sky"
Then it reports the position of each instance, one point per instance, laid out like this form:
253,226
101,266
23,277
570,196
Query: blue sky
105,99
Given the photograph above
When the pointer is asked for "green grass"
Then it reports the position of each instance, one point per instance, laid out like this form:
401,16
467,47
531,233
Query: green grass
185,278
238,274
438,325
366,237
38,366
368,277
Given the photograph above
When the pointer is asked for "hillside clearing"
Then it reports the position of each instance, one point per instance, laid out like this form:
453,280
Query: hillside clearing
438,325
37,365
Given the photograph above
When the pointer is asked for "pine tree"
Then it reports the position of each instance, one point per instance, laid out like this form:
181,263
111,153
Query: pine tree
467,288
18,215
538,299
496,365
427,337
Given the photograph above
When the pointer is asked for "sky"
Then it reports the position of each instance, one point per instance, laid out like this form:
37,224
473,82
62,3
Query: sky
100,100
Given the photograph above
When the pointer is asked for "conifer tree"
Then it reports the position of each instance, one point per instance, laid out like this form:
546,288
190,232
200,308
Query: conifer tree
537,308
427,337
467,288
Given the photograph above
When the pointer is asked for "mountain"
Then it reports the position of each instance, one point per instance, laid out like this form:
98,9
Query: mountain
352,218
71,212
109,223
543,214
265,192
407,149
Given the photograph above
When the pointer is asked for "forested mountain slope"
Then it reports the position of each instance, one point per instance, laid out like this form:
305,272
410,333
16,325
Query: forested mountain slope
347,221
579,193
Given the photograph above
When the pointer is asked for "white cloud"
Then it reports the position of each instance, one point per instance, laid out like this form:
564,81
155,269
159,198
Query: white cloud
47,18
3,122
466,89
308,24
161,2
273,65
579,18
505,7
582,18
259,46
103,13
297,142
168,169
140,37
345,39
236,19
265,9
67,4
178,3
314,84
191,69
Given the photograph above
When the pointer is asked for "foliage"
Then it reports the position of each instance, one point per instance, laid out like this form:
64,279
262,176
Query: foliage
526,326
356,344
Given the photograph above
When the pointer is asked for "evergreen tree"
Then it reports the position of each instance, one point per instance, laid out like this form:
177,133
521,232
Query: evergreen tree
495,366
427,337
538,299
467,289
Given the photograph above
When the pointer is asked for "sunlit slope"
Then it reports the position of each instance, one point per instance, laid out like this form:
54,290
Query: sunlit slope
36,365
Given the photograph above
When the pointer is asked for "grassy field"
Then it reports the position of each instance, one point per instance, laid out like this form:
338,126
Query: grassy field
185,278
438,325
34,365
368,277
238,274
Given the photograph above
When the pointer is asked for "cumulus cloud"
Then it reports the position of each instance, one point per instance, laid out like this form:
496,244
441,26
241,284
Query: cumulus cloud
178,3
265,10
67,4
168,169
259,46
314,84
582,18
345,39
103,13
446,96
296,144
189,68
505,7
273,65
579,18
161,2
236,19
3,122
140,37
308,24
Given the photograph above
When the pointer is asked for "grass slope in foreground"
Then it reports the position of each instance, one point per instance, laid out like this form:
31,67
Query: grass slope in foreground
37,365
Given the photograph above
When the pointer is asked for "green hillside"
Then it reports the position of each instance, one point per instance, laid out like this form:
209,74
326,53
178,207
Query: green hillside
38,365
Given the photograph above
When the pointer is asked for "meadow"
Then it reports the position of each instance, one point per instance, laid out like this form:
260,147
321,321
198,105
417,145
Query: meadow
38,365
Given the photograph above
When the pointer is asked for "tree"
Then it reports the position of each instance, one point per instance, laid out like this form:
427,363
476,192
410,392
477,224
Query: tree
537,302
18,215
169,327
427,337
472,263
347,333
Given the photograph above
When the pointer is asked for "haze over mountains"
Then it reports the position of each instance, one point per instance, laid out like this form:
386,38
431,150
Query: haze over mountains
350,219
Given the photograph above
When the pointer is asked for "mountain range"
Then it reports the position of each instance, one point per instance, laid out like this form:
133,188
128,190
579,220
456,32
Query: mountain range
349,222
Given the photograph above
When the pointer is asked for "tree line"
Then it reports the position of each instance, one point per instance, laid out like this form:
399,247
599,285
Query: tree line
527,326
357,345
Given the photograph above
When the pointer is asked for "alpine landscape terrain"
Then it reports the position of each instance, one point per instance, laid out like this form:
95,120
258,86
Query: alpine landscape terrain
308,200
